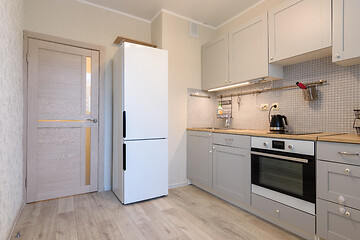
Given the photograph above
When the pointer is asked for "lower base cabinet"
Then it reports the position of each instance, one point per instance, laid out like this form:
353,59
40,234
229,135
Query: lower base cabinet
231,172
335,222
199,157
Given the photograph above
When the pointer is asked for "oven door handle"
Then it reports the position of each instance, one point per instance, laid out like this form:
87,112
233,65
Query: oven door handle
281,157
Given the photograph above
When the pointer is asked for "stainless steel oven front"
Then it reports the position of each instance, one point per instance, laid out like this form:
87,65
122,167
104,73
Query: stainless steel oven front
284,171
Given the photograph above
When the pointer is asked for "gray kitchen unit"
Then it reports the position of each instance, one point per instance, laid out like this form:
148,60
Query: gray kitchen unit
220,164
338,191
231,166
199,155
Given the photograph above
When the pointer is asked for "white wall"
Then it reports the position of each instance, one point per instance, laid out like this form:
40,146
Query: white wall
184,72
256,10
77,21
11,112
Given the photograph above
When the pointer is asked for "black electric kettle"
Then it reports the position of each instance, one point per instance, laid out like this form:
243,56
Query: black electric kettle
278,123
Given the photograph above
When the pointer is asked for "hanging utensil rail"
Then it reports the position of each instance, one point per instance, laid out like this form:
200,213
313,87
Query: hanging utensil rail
320,82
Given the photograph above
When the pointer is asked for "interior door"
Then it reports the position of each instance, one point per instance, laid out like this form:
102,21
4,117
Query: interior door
62,120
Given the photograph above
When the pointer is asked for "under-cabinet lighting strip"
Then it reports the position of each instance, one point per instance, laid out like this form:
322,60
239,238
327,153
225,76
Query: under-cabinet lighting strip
228,87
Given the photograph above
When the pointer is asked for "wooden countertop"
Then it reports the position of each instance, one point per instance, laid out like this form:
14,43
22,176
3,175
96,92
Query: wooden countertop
263,133
341,138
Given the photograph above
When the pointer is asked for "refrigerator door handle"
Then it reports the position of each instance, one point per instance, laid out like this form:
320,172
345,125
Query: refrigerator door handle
124,124
124,157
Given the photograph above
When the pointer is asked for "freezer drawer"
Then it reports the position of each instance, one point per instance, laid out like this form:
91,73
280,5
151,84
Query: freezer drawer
146,174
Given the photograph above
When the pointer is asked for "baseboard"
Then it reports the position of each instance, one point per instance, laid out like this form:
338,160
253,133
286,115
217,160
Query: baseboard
11,232
176,185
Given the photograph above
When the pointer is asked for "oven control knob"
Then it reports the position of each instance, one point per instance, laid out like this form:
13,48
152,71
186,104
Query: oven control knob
265,144
290,146
341,199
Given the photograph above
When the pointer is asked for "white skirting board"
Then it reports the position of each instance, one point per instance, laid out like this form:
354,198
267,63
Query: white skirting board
176,185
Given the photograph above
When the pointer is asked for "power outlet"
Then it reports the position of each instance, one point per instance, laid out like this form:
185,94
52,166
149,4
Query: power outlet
264,107
275,108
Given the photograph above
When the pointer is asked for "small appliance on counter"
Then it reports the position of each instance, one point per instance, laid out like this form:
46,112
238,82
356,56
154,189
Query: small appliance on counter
356,124
277,122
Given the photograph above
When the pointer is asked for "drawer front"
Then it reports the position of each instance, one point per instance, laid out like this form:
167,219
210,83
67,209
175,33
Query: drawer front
339,183
334,224
339,152
231,140
286,214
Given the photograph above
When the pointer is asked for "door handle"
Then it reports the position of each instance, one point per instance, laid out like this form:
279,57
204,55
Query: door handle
92,120
124,124
349,154
124,157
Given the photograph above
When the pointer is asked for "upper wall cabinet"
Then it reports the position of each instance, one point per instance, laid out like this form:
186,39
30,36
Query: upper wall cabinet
300,30
346,32
215,63
248,52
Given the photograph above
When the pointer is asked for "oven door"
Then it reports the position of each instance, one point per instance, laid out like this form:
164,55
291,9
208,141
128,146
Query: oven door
287,173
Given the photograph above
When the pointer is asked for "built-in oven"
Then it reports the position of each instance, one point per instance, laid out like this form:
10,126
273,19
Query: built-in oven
284,171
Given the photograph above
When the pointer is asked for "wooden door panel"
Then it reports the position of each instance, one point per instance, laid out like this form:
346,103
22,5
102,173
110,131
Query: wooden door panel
62,144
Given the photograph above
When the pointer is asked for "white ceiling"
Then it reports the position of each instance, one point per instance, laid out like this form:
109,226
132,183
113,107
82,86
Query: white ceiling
210,12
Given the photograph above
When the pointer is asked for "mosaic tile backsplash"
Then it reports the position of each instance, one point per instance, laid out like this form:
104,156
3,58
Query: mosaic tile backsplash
332,111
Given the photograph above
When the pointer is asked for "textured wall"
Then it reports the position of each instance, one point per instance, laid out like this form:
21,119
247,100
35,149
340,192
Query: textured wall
184,72
331,112
77,21
11,112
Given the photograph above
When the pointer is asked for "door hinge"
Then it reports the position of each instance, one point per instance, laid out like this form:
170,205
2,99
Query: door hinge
25,182
27,57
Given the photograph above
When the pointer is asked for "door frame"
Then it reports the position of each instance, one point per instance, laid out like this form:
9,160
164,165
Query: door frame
101,96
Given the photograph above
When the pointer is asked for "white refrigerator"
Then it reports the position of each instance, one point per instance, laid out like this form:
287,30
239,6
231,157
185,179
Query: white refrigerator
140,123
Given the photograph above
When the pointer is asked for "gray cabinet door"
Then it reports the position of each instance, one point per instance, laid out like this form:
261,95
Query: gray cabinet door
334,224
339,183
215,63
199,157
231,168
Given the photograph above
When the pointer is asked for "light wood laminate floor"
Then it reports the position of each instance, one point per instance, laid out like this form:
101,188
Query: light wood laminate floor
186,213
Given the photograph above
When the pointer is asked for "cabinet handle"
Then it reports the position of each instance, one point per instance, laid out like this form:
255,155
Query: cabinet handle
271,58
347,214
350,154
341,199
337,55
347,170
277,211
210,151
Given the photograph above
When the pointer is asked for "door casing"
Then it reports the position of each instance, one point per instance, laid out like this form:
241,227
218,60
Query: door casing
101,95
